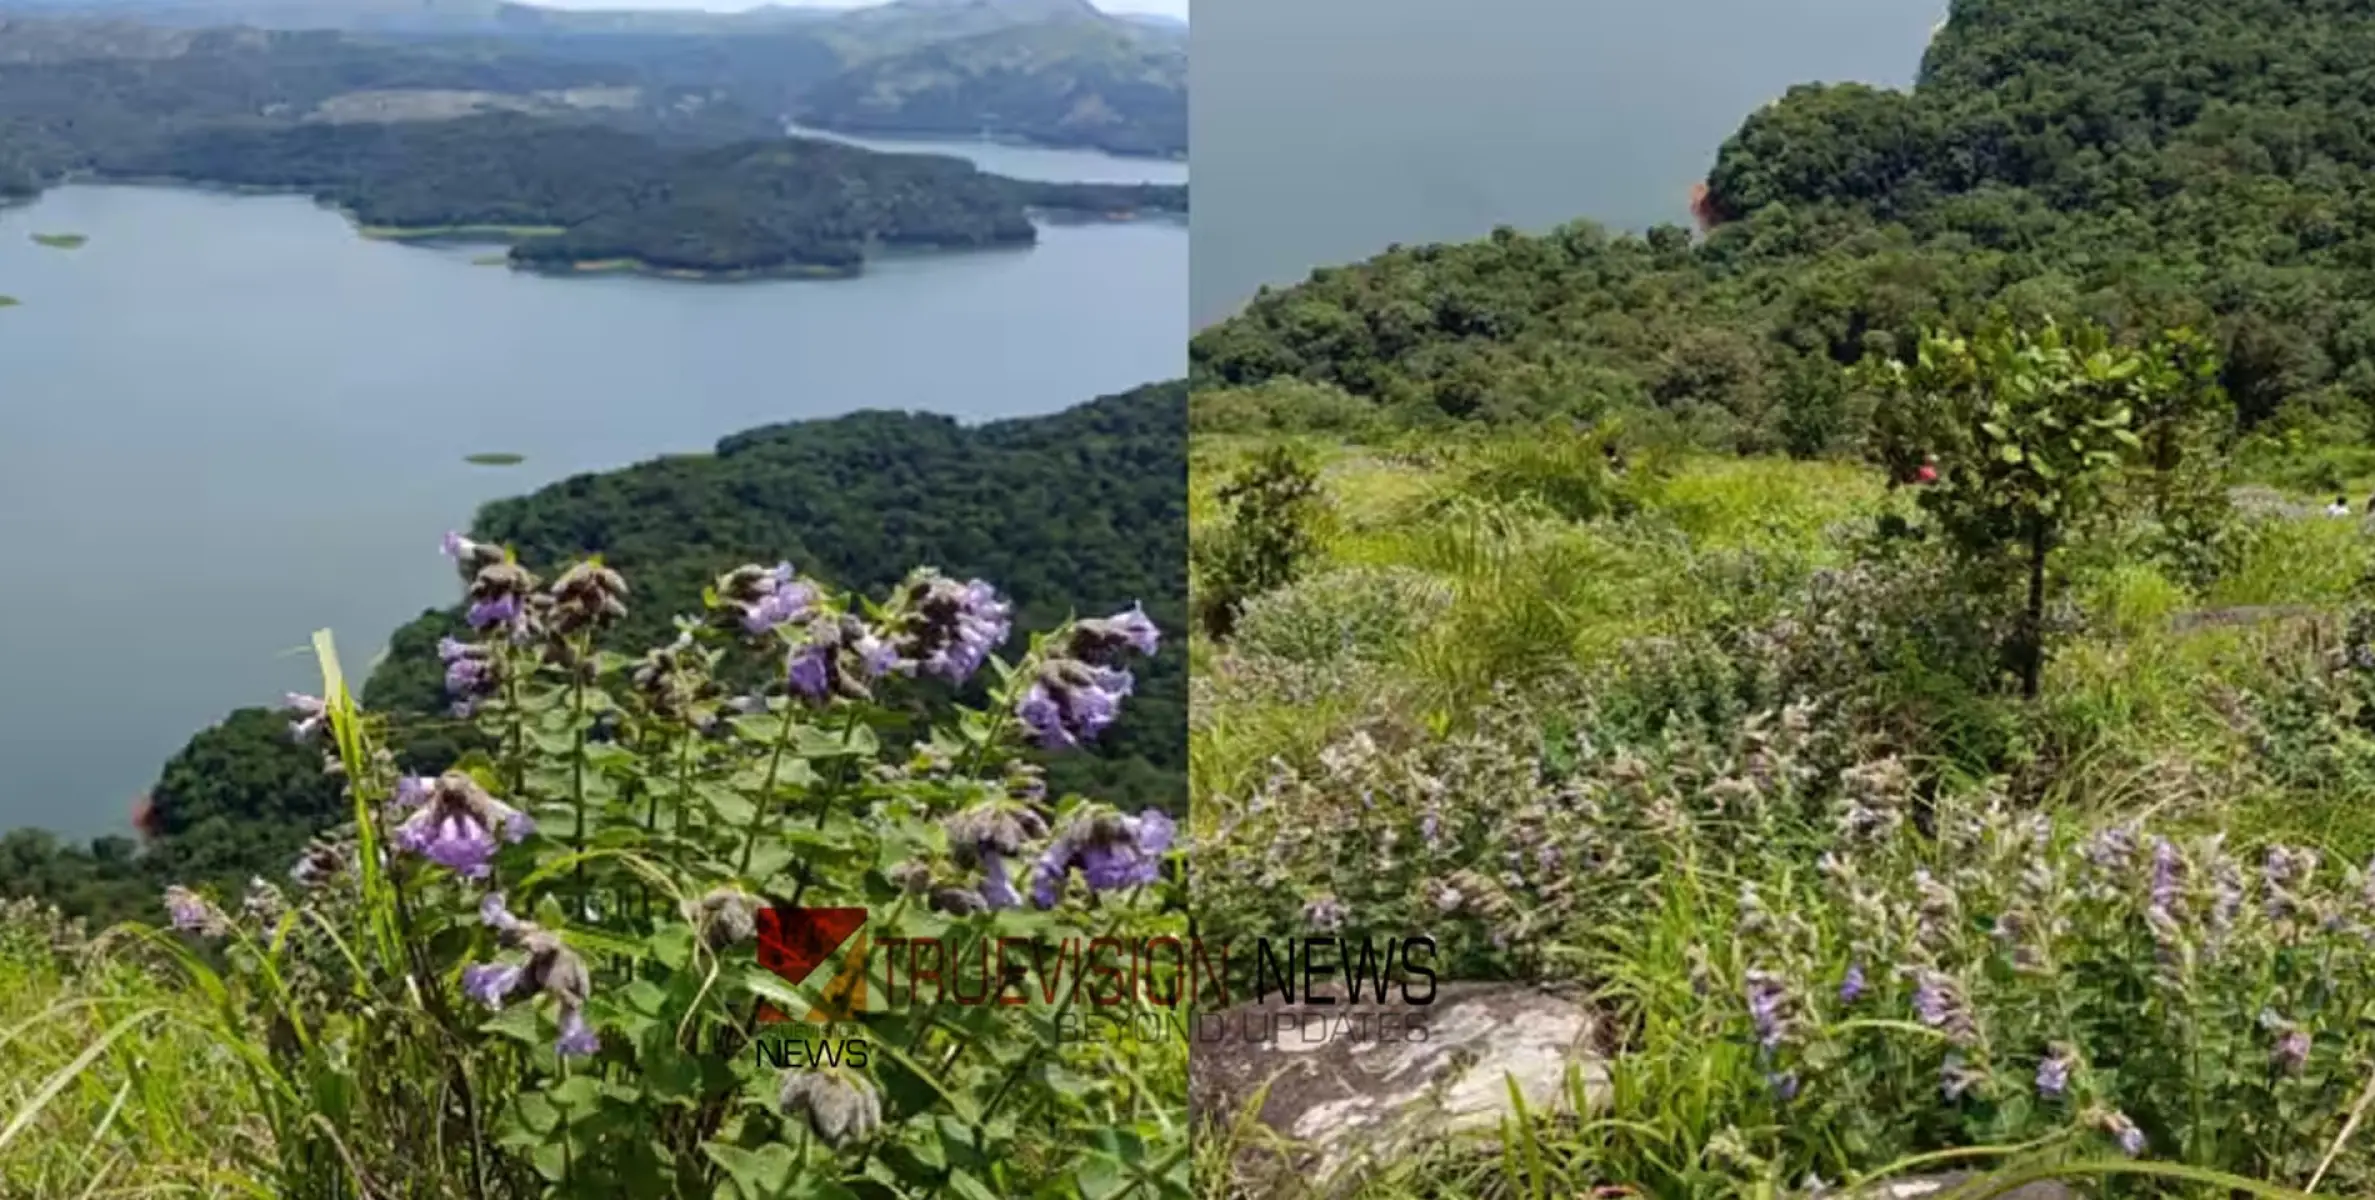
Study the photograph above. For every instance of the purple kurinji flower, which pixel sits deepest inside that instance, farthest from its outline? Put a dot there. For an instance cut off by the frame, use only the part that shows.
(492, 983)
(809, 669)
(876, 657)
(1766, 999)
(2168, 874)
(997, 882)
(982, 625)
(1325, 914)
(466, 667)
(1138, 629)
(1080, 688)
(193, 913)
(781, 599)
(1939, 1004)
(493, 611)
(312, 714)
(552, 968)
(412, 791)
(948, 629)
(2123, 1131)
(497, 916)
(1072, 702)
(2292, 1051)
(577, 1040)
(1111, 851)
(2053, 1076)
(1784, 1085)
(457, 823)
(1853, 985)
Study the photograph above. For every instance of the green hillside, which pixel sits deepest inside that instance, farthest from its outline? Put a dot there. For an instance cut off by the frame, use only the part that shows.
(1888, 653)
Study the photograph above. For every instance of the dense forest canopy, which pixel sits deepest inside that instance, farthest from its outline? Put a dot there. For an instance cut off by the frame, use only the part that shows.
(2143, 163)
(1082, 512)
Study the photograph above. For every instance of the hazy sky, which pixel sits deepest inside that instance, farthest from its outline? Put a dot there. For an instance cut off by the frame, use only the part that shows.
(1175, 8)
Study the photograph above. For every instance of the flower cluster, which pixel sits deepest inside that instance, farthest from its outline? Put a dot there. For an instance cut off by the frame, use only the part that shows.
(685, 826)
(193, 913)
(1080, 686)
(944, 629)
(839, 657)
(992, 835)
(1109, 850)
(548, 966)
(454, 823)
(501, 592)
(763, 599)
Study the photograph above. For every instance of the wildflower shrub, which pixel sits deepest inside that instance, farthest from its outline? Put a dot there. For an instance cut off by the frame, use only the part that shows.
(1759, 780)
(535, 973)
(1818, 963)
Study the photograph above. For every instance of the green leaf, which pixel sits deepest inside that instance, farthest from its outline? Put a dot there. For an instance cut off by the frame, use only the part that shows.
(764, 1172)
(575, 1096)
(551, 1160)
(963, 1184)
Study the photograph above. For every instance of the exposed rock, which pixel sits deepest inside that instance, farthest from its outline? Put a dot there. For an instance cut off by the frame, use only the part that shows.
(1943, 1187)
(1363, 1083)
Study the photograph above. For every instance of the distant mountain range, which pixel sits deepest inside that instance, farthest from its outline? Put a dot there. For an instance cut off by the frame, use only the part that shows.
(947, 18)
(1059, 72)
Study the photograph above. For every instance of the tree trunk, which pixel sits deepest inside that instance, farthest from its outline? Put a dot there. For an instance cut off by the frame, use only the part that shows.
(2032, 663)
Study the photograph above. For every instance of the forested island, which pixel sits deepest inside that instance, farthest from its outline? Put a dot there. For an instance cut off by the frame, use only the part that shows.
(579, 162)
(577, 196)
(1081, 512)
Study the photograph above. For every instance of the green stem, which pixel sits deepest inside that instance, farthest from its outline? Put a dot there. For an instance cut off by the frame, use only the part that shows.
(684, 777)
(758, 808)
(824, 808)
(580, 660)
(1031, 1057)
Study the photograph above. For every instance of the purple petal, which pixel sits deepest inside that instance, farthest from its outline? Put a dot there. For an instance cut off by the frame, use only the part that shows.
(1138, 628)
(997, 884)
(577, 1039)
(491, 983)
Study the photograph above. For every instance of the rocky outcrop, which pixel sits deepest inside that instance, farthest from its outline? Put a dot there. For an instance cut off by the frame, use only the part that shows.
(1343, 1085)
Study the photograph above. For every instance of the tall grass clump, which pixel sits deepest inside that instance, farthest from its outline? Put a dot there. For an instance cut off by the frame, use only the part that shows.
(536, 973)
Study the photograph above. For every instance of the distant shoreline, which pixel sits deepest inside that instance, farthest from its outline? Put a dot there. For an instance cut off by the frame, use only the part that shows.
(513, 235)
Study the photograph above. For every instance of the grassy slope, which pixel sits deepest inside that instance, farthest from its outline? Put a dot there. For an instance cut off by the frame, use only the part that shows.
(2157, 712)
(1532, 592)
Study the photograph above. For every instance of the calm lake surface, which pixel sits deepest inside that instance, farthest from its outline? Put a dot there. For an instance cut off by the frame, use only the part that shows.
(1326, 130)
(229, 421)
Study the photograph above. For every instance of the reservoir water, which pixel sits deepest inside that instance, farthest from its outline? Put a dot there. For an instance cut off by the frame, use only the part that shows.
(228, 421)
(1017, 161)
(1333, 128)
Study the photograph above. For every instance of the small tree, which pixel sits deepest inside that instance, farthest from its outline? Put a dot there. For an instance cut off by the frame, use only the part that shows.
(2015, 436)
(1268, 539)
(2186, 424)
